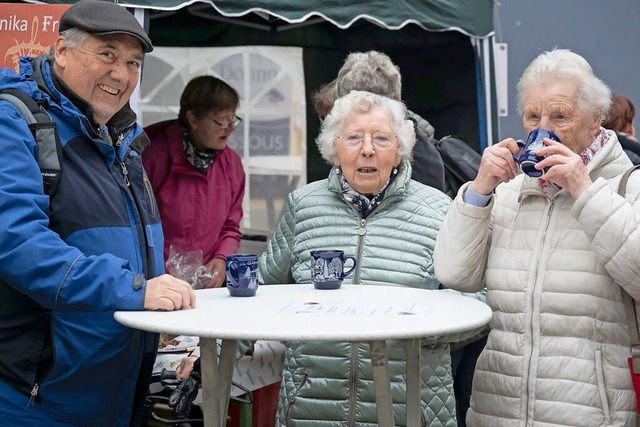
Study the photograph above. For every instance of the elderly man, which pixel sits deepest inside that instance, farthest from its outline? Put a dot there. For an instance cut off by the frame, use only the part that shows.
(70, 259)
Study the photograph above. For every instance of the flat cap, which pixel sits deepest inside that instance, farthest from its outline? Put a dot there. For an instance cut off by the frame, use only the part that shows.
(102, 18)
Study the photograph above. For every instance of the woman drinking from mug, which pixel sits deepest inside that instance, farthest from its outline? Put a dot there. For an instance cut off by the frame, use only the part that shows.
(370, 208)
(556, 254)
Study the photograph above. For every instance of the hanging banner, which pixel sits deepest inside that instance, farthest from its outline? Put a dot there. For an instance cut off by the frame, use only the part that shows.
(27, 30)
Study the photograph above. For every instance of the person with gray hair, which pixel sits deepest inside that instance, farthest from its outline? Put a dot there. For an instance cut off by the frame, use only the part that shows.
(70, 258)
(371, 71)
(371, 208)
(374, 72)
(557, 254)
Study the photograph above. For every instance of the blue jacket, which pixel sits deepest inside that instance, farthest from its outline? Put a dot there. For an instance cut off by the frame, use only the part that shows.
(68, 264)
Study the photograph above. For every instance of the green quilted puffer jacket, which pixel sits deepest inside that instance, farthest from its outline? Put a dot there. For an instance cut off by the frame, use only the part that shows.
(331, 384)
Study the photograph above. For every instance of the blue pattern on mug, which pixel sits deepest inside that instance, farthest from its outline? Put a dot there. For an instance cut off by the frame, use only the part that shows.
(527, 157)
(327, 268)
(242, 275)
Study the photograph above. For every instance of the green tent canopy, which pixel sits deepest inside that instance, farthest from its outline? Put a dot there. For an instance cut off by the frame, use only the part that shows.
(473, 18)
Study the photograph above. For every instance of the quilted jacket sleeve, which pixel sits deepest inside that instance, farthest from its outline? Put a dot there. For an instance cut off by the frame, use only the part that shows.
(612, 225)
(460, 256)
(275, 261)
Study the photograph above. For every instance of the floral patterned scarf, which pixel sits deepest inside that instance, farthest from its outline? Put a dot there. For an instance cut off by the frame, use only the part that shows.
(363, 204)
(199, 159)
(549, 189)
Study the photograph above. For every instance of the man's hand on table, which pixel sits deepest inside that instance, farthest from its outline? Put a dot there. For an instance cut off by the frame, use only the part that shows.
(168, 293)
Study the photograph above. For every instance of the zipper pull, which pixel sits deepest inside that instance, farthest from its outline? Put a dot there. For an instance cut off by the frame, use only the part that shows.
(34, 394)
(363, 229)
(125, 174)
(120, 139)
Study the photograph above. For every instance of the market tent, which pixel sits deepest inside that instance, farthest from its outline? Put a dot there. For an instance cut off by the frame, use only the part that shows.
(471, 17)
(443, 49)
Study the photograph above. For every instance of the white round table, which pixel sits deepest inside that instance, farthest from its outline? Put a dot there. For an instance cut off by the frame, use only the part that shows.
(352, 313)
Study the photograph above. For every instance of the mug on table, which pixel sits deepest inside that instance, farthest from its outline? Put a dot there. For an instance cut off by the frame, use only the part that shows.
(327, 268)
(242, 275)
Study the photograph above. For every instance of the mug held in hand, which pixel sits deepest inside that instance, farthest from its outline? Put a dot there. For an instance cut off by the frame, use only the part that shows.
(527, 157)
(327, 268)
(242, 275)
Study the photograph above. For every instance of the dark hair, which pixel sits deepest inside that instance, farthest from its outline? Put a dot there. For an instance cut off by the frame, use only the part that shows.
(204, 94)
(621, 114)
(324, 98)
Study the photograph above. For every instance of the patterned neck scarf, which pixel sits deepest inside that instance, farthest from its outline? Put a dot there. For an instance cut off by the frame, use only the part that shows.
(363, 204)
(199, 159)
(549, 189)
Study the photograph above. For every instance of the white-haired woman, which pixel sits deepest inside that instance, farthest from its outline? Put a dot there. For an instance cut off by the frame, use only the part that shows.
(368, 207)
(556, 253)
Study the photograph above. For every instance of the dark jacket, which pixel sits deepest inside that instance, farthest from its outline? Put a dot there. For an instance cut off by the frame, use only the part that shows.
(63, 358)
(630, 146)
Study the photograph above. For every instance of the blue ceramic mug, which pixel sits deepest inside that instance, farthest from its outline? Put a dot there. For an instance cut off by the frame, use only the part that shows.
(527, 157)
(242, 275)
(327, 268)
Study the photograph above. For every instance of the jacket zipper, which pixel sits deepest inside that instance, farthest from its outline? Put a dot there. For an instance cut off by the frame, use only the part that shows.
(359, 248)
(147, 186)
(36, 386)
(353, 383)
(125, 172)
(294, 397)
(361, 233)
(147, 261)
(354, 346)
(528, 390)
(34, 394)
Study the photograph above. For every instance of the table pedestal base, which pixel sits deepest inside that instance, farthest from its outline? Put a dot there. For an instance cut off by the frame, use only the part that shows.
(216, 380)
(217, 374)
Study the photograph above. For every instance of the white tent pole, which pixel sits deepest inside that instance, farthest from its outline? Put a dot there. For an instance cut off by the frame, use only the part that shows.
(138, 13)
(486, 62)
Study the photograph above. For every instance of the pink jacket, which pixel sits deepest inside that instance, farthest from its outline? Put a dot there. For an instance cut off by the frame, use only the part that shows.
(198, 211)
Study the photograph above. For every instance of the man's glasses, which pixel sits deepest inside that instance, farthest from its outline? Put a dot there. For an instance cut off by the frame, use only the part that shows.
(224, 125)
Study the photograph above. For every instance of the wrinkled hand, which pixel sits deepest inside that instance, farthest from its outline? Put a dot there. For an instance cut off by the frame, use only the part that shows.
(496, 166)
(168, 293)
(218, 268)
(185, 367)
(566, 168)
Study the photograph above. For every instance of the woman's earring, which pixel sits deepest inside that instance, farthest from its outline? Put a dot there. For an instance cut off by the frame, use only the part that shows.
(395, 171)
(337, 170)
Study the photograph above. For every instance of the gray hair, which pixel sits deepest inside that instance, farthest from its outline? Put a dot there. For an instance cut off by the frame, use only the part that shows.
(74, 37)
(371, 71)
(593, 95)
(357, 102)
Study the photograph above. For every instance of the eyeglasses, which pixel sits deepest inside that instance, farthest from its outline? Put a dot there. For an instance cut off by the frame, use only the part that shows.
(379, 141)
(224, 125)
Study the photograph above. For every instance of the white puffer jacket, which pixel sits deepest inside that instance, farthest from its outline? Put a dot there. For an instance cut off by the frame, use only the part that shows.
(558, 347)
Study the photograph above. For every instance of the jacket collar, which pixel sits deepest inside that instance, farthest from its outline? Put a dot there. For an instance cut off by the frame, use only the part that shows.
(397, 186)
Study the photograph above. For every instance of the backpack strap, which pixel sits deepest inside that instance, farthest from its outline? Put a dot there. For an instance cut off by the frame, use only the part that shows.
(44, 132)
(629, 303)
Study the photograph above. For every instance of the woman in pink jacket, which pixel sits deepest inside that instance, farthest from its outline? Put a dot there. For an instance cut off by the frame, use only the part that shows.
(197, 179)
